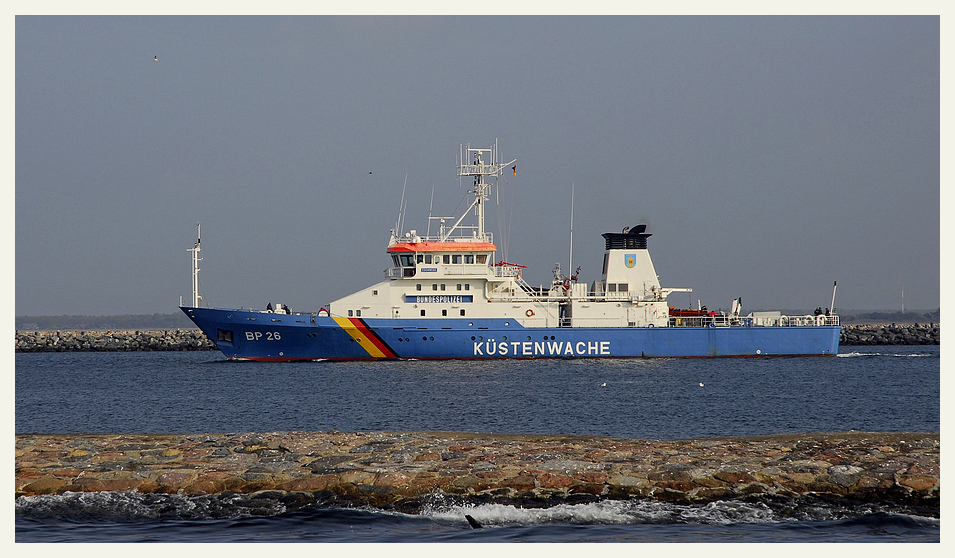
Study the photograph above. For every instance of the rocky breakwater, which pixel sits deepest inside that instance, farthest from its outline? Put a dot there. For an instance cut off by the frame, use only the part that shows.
(890, 334)
(160, 340)
(403, 470)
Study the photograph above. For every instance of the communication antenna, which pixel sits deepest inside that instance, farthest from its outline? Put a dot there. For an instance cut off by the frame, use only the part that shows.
(401, 207)
(572, 187)
(430, 207)
(832, 305)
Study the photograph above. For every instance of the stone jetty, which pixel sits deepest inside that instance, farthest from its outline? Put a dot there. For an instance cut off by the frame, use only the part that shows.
(890, 334)
(195, 340)
(400, 470)
(157, 340)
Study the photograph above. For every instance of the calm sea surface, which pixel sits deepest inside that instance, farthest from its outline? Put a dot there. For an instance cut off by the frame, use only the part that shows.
(864, 388)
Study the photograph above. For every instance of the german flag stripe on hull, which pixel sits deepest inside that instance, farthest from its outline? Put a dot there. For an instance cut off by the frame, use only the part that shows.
(368, 339)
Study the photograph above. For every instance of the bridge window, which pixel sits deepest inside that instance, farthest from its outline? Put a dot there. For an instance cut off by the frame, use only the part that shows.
(469, 258)
(456, 258)
(420, 258)
(427, 258)
(447, 259)
(482, 258)
(407, 260)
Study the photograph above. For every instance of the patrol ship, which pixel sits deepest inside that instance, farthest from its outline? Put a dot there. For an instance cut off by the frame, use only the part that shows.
(447, 296)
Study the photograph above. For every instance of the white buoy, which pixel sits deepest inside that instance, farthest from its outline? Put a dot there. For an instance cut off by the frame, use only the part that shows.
(701, 384)
(603, 384)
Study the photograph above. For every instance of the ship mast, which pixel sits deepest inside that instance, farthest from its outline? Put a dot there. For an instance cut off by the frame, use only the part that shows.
(478, 164)
(195, 266)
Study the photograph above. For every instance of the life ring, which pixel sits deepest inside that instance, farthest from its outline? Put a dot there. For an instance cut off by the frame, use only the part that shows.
(529, 313)
(566, 285)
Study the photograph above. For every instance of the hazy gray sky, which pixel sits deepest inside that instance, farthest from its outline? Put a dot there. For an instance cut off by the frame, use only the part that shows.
(769, 156)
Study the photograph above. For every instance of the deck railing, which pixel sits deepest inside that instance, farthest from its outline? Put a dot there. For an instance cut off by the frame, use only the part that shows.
(749, 321)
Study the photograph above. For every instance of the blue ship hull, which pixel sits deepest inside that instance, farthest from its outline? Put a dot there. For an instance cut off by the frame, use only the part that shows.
(243, 334)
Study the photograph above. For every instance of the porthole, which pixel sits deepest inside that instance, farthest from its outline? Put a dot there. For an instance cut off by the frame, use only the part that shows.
(472, 338)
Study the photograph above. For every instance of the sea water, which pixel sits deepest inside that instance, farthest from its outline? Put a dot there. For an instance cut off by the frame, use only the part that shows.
(884, 388)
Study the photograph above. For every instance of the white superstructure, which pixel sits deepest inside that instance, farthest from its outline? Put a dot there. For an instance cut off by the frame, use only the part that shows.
(455, 274)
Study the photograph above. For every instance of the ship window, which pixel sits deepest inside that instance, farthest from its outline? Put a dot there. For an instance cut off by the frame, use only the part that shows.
(482, 258)
(417, 287)
(427, 259)
(462, 312)
(422, 311)
(395, 259)
(606, 261)
(434, 286)
(456, 258)
(350, 313)
(469, 258)
(407, 260)
(622, 287)
(442, 286)
(447, 258)
(374, 293)
(459, 286)
(444, 312)
(420, 258)
(467, 286)
(612, 288)
(358, 313)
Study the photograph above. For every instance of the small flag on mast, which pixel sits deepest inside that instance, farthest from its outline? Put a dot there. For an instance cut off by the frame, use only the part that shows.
(514, 168)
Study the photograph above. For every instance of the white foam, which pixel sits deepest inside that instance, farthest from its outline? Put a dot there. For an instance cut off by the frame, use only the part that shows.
(609, 512)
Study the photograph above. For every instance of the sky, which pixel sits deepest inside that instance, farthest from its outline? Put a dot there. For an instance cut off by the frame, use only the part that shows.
(769, 156)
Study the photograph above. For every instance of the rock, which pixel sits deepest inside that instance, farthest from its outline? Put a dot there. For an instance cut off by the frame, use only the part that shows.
(901, 468)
